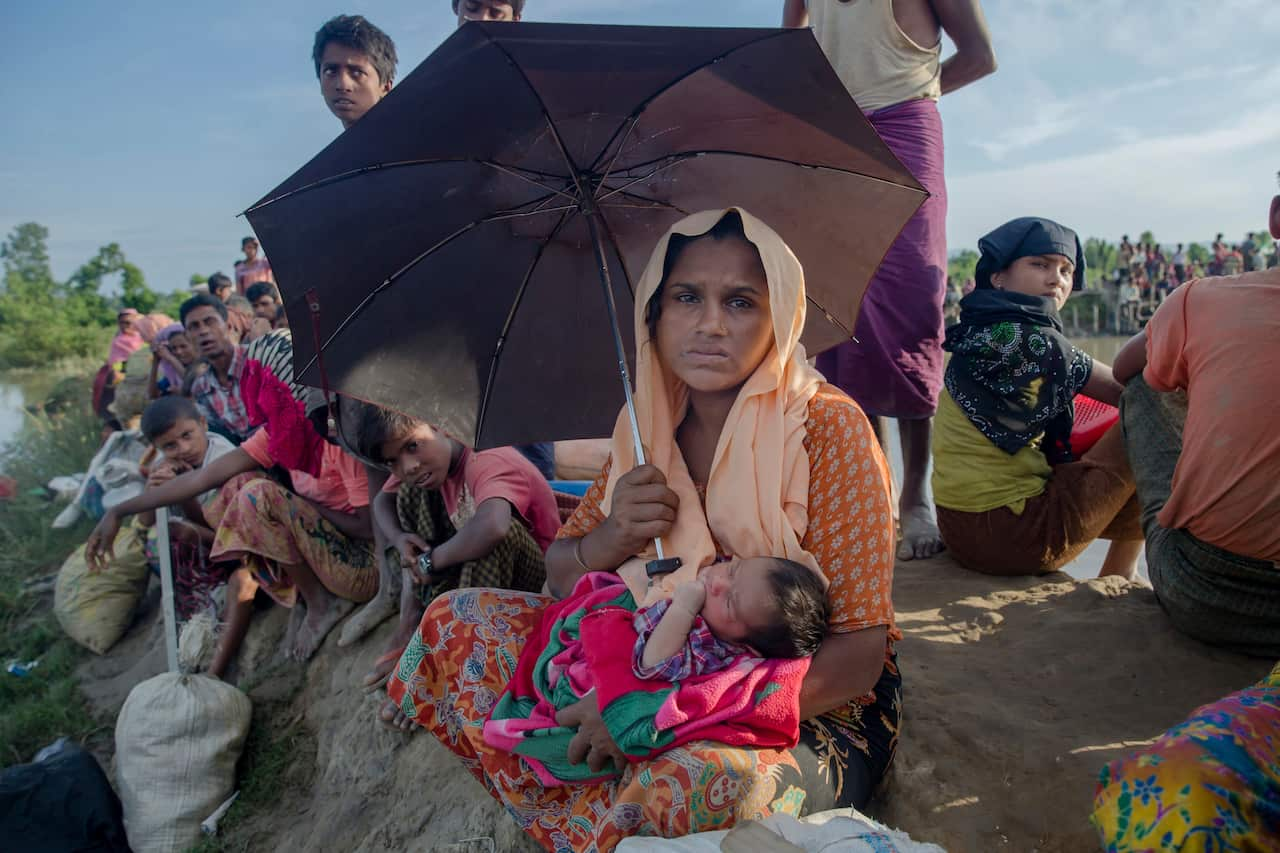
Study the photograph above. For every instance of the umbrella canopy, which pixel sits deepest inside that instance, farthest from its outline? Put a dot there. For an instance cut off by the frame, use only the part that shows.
(441, 250)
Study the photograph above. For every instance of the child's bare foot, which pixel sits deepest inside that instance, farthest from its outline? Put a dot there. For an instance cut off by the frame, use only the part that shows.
(319, 622)
(376, 678)
(920, 536)
(393, 718)
(373, 614)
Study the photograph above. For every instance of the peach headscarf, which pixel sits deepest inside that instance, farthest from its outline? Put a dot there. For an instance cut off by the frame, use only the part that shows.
(150, 325)
(758, 493)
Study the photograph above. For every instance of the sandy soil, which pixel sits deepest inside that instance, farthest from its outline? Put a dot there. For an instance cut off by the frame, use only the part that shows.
(1019, 691)
(1016, 694)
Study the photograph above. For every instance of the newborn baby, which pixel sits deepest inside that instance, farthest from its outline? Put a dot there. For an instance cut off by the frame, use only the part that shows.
(772, 607)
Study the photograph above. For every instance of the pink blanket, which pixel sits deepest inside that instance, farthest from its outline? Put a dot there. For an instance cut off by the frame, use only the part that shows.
(586, 642)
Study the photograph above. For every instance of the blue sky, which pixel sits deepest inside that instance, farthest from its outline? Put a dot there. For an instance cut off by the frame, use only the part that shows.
(153, 124)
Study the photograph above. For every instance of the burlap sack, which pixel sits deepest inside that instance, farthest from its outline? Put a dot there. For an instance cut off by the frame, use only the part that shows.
(95, 609)
(178, 738)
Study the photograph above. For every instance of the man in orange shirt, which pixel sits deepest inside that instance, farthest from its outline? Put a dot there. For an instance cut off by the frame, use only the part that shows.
(1206, 459)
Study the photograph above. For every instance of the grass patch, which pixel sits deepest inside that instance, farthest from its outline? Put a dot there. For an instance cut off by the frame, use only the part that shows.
(276, 758)
(47, 703)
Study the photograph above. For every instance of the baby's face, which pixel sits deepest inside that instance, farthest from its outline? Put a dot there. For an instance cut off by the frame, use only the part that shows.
(739, 600)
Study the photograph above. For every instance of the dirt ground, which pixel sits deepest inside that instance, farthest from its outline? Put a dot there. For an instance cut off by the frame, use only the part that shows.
(1016, 694)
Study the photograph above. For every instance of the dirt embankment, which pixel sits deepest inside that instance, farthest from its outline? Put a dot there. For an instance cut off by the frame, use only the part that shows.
(1016, 694)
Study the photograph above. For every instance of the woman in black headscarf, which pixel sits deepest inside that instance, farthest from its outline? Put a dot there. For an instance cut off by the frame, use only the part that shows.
(1012, 497)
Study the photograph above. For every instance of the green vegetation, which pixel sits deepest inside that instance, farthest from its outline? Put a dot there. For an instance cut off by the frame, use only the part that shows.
(276, 758)
(43, 321)
(961, 265)
(46, 704)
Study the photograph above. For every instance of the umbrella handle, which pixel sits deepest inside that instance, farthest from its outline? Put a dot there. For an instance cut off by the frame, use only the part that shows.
(663, 565)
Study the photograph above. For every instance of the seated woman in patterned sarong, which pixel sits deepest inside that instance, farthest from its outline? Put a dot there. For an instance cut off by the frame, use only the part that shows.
(751, 453)
(313, 541)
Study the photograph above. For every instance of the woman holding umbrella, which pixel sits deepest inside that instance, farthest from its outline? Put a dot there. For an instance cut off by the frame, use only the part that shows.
(750, 453)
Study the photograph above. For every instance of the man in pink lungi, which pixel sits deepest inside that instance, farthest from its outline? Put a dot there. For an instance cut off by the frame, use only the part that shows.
(887, 53)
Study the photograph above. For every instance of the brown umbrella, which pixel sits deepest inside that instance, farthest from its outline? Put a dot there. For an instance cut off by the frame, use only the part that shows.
(446, 253)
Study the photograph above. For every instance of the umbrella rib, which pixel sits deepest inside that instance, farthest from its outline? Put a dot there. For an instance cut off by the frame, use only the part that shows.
(515, 172)
(644, 105)
(391, 279)
(674, 160)
(688, 155)
(511, 316)
(651, 203)
(542, 105)
(829, 316)
(631, 125)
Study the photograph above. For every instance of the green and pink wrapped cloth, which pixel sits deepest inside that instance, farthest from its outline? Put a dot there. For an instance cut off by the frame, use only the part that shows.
(586, 642)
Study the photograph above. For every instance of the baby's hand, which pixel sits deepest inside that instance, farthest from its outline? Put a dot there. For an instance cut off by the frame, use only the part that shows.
(691, 596)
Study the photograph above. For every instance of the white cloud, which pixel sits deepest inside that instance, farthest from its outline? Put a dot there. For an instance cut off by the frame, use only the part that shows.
(1182, 186)
(1051, 118)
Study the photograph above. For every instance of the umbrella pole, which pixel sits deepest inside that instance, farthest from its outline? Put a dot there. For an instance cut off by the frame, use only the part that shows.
(166, 587)
(663, 565)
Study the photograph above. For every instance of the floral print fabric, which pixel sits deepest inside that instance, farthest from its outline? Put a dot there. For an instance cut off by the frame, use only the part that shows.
(465, 651)
(1211, 783)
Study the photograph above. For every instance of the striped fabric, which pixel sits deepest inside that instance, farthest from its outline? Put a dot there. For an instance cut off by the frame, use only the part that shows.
(274, 351)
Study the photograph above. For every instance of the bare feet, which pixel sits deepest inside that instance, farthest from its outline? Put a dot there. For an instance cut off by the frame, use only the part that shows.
(920, 537)
(386, 663)
(373, 614)
(393, 718)
(319, 621)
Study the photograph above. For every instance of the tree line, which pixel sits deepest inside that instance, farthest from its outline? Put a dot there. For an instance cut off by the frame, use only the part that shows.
(43, 320)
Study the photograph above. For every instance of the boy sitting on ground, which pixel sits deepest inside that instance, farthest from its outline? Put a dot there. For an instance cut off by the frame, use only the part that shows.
(179, 434)
(313, 542)
(458, 517)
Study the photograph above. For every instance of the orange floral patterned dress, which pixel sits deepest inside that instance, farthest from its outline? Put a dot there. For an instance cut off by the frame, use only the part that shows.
(467, 645)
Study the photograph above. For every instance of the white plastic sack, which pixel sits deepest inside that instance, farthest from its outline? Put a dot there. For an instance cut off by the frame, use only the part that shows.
(121, 480)
(178, 738)
(846, 830)
(127, 445)
(66, 487)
